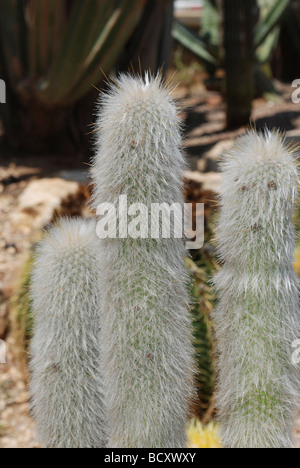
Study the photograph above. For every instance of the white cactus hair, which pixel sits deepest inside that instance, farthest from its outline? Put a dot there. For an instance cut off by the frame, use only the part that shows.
(257, 317)
(66, 384)
(146, 340)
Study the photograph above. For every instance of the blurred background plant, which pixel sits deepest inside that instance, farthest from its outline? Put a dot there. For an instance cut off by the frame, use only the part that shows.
(52, 52)
(21, 315)
(241, 38)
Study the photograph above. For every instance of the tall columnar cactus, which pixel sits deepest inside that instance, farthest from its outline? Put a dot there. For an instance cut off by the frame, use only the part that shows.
(257, 317)
(146, 340)
(239, 22)
(66, 383)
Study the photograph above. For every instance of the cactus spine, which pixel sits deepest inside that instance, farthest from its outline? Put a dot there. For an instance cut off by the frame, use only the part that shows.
(146, 339)
(257, 317)
(66, 383)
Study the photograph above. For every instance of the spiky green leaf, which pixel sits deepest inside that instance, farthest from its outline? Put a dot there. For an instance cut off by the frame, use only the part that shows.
(191, 41)
(272, 19)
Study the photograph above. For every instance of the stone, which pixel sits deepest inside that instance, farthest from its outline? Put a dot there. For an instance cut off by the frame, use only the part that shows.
(41, 198)
(213, 156)
(209, 180)
(82, 177)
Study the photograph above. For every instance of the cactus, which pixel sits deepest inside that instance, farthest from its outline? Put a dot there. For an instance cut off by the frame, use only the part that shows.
(146, 339)
(257, 317)
(51, 52)
(203, 303)
(66, 383)
(239, 20)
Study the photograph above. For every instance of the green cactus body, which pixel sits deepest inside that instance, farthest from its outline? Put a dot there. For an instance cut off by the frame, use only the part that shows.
(203, 302)
(257, 317)
(146, 339)
(66, 383)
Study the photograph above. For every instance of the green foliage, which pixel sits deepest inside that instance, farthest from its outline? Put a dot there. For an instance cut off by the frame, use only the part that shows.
(22, 318)
(194, 43)
(56, 55)
(202, 301)
(206, 44)
(208, 47)
(270, 21)
(201, 267)
(211, 25)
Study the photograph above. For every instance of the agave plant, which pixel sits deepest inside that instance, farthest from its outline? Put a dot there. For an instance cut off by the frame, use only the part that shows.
(51, 52)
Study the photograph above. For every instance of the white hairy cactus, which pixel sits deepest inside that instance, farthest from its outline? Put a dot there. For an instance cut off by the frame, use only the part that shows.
(257, 318)
(146, 341)
(66, 383)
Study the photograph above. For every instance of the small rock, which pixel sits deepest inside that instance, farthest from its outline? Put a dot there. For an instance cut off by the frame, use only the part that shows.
(213, 156)
(11, 248)
(209, 180)
(48, 192)
(39, 201)
(82, 177)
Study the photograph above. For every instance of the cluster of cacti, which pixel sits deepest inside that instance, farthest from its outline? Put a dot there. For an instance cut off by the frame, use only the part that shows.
(257, 317)
(112, 356)
(135, 290)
